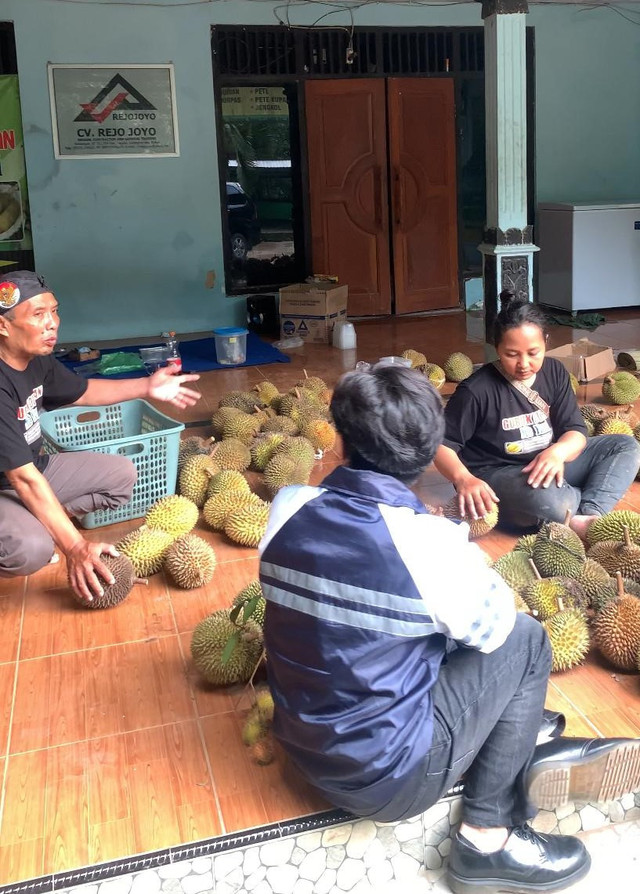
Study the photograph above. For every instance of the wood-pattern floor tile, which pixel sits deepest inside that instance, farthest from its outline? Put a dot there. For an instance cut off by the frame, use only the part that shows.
(108, 778)
(577, 723)
(244, 810)
(23, 860)
(11, 609)
(66, 844)
(31, 712)
(7, 679)
(200, 820)
(229, 578)
(155, 816)
(111, 841)
(284, 792)
(24, 805)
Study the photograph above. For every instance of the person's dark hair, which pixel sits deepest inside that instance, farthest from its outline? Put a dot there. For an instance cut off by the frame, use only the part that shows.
(514, 313)
(390, 418)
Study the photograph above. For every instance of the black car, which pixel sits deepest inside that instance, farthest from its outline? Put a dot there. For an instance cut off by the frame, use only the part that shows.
(242, 217)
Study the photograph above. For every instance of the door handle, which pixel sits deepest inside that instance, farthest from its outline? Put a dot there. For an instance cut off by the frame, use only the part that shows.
(398, 198)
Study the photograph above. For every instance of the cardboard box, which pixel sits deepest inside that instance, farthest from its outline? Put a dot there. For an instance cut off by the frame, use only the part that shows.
(586, 360)
(310, 310)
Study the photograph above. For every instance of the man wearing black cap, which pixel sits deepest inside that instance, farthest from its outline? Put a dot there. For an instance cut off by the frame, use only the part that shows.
(38, 493)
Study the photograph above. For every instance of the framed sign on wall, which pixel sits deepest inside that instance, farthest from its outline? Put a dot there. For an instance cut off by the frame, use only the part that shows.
(113, 111)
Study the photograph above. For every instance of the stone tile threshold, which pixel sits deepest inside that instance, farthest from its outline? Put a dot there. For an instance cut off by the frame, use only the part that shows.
(333, 852)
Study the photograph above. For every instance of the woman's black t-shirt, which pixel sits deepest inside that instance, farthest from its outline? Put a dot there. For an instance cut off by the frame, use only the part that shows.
(489, 423)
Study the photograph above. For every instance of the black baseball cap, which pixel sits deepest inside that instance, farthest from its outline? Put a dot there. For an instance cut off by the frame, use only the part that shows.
(19, 286)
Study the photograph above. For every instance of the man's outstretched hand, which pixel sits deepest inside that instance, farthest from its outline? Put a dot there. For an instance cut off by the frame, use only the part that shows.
(171, 389)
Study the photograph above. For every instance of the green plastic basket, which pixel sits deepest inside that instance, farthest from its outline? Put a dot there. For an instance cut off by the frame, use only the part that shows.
(134, 429)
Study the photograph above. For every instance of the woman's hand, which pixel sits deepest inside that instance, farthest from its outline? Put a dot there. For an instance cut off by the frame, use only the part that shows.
(546, 467)
(167, 387)
(475, 497)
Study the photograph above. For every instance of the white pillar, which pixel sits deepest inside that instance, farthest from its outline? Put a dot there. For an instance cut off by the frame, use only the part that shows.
(507, 248)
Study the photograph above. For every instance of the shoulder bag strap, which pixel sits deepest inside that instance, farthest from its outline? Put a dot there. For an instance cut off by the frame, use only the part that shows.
(532, 396)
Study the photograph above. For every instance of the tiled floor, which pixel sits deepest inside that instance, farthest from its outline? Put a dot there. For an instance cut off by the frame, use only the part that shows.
(111, 745)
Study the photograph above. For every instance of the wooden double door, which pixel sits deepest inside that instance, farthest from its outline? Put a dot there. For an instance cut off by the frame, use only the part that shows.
(382, 177)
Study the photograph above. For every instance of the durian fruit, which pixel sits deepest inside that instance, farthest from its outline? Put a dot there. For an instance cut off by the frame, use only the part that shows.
(247, 524)
(610, 526)
(300, 449)
(636, 432)
(592, 578)
(243, 427)
(174, 514)
(262, 751)
(605, 594)
(146, 548)
(190, 562)
(259, 718)
(228, 479)
(568, 634)
(313, 383)
(621, 388)
(302, 406)
(558, 551)
(281, 471)
(574, 383)
(593, 413)
(525, 544)
(266, 392)
(515, 569)
(613, 426)
(281, 424)
(247, 401)
(190, 446)
(252, 597)
(264, 447)
(616, 629)
(544, 597)
(628, 415)
(217, 508)
(232, 454)
(417, 358)
(194, 478)
(632, 587)
(619, 556)
(457, 367)
(591, 429)
(321, 434)
(435, 374)
(113, 594)
(220, 418)
(208, 643)
(478, 527)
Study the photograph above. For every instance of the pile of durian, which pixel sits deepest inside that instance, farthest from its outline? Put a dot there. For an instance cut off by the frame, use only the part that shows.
(582, 596)
(456, 368)
(277, 435)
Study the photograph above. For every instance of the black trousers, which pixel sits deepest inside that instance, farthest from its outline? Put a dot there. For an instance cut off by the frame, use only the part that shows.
(487, 714)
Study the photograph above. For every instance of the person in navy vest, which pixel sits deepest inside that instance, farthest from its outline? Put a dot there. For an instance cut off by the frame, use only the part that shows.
(397, 661)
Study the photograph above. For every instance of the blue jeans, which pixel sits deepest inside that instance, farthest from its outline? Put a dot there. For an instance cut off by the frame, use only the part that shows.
(487, 714)
(593, 484)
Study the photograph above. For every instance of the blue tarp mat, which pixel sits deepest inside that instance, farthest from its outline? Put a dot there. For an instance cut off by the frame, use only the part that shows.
(198, 355)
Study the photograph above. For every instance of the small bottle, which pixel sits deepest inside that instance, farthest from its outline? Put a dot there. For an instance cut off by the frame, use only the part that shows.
(174, 360)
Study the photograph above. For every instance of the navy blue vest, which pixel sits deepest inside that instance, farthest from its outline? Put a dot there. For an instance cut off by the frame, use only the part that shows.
(352, 651)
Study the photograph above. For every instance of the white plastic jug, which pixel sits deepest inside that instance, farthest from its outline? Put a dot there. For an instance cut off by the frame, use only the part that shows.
(344, 335)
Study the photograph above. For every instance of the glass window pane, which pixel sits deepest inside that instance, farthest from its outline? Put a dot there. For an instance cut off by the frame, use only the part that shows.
(259, 210)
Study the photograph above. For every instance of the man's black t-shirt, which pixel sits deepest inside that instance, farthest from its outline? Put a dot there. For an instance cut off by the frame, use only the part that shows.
(44, 385)
(489, 423)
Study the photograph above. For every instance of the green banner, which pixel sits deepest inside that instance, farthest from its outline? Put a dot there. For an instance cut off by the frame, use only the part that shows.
(15, 226)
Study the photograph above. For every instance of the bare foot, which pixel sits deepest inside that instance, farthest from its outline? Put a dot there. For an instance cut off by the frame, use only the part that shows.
(580, 524)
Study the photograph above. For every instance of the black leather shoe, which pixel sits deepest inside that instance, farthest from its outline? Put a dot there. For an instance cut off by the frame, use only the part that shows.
(529, 861)
(552, 726)
(564, 770)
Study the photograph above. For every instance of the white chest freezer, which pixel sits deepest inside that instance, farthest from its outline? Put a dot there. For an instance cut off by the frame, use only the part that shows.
(589, 255)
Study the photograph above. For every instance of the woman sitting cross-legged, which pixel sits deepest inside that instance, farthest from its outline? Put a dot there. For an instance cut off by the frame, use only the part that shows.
(515, 435)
